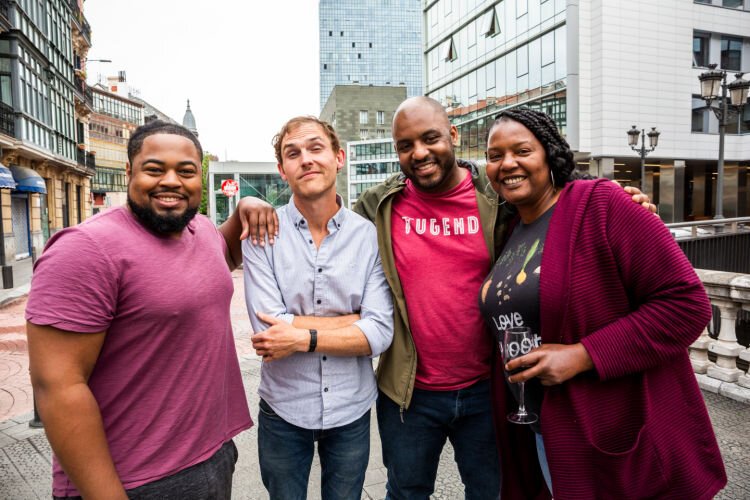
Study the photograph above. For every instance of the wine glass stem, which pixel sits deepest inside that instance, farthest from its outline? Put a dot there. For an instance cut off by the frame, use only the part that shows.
(522, 402)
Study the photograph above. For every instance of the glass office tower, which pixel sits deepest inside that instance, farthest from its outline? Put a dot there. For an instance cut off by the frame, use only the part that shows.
(484, 56)
(370, 42)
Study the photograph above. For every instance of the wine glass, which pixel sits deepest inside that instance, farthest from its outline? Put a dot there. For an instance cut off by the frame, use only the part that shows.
(516, 342)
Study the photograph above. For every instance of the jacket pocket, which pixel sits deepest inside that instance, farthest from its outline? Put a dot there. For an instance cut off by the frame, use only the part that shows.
(635, 473)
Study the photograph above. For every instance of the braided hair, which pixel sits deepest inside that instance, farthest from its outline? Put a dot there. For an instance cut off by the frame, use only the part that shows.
(556, 149)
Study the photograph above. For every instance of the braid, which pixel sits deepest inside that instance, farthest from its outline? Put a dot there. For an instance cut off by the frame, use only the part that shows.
(558, 153)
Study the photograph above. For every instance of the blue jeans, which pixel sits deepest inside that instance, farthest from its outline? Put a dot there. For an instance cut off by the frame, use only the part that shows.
(412, 447)
(286, 452)
(543, 464)
(208, 480)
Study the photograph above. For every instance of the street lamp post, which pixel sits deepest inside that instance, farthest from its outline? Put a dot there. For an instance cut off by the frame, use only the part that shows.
(712, 81)
(653, 141)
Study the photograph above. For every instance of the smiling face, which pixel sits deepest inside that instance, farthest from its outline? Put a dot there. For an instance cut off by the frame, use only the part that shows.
(518, 170)
(308, 162)
(424, 138)
(164, 183)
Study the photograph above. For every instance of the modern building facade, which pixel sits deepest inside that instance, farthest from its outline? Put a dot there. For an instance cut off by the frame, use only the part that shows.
(360, 113)
(44, 105)
(598, 68)
(368, 164)
(110, 125)
(370, 42)
(259, 179)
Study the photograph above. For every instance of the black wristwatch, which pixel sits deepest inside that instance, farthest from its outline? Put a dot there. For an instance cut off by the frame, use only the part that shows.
(313, 340)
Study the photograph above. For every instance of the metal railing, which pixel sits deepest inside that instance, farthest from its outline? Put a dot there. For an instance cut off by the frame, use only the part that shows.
(721, 355)
(7, 120)
(90, 160)
(720, 245)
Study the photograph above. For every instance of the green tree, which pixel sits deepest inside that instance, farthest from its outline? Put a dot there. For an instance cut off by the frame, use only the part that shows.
(207, 157)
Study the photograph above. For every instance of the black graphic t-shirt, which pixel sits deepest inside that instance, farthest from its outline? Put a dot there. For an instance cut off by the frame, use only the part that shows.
(510, 295)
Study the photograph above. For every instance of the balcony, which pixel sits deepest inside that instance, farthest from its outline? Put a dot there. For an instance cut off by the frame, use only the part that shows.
(83, 94)
(7, 120)
(80, 25)
(87, 161)
(5, 15)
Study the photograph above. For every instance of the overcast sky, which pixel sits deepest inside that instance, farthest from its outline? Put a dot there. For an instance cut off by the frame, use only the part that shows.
(245, 66)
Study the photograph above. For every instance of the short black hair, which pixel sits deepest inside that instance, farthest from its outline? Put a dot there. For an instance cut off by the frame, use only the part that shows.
(556, 148)
(159, 127)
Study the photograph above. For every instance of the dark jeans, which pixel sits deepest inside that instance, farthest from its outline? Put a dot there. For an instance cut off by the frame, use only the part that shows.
(411, 449)
(209, 480)
(286, 452)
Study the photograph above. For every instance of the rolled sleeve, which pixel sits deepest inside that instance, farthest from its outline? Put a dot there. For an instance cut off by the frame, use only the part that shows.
(262, 292)
(376, 311)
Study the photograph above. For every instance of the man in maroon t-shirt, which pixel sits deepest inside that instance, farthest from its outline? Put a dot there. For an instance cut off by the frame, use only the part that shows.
(442, 244)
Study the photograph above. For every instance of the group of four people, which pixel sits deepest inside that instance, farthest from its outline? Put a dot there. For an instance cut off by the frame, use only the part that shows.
(146, 402)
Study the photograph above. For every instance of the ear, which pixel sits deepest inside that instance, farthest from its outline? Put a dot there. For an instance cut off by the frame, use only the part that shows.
(128, 169)
(454, 135)
(280, 167)
(340, 160)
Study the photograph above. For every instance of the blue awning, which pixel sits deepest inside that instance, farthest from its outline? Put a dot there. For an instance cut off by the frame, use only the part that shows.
(6, 178)
(28, 180)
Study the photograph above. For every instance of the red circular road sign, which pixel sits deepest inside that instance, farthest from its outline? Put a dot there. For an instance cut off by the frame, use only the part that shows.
(230, 187)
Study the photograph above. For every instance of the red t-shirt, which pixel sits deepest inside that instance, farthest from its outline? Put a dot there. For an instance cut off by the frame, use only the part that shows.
(442, 260)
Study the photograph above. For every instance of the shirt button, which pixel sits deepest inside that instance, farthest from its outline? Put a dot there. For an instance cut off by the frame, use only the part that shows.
(320, 269)
(325, 390)
(324, 358)
(311, 241)
(318, 301)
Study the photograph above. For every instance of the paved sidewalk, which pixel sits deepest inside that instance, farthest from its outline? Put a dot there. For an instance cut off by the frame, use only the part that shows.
(25, 470)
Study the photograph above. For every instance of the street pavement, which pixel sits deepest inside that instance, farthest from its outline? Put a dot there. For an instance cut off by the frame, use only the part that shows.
(25, 455)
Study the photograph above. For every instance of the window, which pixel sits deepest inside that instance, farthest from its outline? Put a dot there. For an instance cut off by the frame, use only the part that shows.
(359, 56)
(381, 117)
(354, 45)
(700, 49)
(731, 53)
(381, 133)
(363, 117)
(370, 44)
(522, 7)
(330, 33)
(363, 133)
(449, 50)
(734, 4)
(490, 24)
(325, 66)
(700, 117)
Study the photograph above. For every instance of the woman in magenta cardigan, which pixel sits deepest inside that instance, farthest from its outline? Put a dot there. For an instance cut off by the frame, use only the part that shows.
(617, 304)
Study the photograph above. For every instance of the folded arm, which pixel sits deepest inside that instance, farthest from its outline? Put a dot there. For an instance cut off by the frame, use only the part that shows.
(61, 363)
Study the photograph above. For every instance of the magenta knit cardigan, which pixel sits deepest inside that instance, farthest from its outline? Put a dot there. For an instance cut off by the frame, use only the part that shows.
(636, 427)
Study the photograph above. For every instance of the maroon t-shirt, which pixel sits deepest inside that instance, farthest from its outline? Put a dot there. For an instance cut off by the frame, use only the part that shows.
(442, 260)
(167, 380)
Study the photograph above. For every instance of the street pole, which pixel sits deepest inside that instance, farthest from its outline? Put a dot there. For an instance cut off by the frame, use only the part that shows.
(643, 160)
(720, 165)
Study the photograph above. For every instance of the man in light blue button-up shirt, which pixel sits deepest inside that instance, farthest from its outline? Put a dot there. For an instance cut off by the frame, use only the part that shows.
(320, 308)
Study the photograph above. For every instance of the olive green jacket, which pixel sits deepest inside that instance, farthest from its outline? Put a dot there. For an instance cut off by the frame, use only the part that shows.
(397, 367)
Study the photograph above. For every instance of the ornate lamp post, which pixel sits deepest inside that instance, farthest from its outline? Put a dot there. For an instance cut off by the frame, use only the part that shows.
(712, 81)
(653, 141)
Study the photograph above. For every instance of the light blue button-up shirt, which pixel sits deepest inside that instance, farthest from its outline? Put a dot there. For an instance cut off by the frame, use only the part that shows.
(293, 277)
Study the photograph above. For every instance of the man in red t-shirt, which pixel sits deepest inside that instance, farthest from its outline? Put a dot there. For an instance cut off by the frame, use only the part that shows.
(437, 230)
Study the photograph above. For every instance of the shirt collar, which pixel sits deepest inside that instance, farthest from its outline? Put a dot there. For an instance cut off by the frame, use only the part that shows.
(333, 225)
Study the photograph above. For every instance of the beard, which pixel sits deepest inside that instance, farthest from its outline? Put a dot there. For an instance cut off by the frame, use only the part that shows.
(162, 224)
